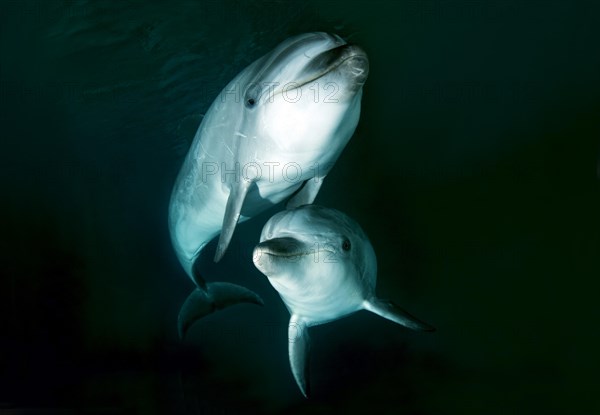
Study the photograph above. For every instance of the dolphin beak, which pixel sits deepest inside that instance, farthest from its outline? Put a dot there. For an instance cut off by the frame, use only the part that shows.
(356, 64)
(283, 247)
(274, 255)
(347, 57)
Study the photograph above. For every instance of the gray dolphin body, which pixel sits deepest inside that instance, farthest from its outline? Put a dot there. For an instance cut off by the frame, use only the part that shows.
(324, 268)
(276, 129)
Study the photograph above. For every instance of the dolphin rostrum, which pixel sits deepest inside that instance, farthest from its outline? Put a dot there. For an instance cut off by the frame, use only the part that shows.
(273, 132)
(323, 266)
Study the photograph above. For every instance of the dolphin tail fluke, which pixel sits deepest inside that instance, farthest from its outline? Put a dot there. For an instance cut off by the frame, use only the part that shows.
(392, 312)
(299, 350)
(218, 295)
(232, 215)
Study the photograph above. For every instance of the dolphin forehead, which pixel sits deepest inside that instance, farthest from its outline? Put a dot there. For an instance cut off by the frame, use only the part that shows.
(297, 50)
(312, 221)
(308, 43)
(287, 62)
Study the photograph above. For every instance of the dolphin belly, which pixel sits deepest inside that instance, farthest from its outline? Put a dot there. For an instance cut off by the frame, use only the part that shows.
(194, 225)
(316, 304)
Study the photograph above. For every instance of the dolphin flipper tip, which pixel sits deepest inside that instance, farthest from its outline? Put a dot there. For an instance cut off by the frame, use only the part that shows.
(221, 248)
(225, 238)
(217, 296)
(299, 350)
(231, 217)
(392, 312)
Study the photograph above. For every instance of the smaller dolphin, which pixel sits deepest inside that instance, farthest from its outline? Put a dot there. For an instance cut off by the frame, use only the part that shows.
(324, 268)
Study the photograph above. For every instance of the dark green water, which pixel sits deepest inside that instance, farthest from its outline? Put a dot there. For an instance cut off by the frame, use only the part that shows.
(473, 170)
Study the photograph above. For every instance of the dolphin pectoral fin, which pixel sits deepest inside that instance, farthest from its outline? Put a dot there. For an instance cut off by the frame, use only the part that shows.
(218, 295)
(299, 350)
(232, 215)
(307, 193)
(392, 312)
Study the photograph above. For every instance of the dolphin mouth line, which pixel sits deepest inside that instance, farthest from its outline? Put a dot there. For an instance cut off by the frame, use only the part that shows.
(328, 69)
(286, 255)
(332, 67)
(265, 249)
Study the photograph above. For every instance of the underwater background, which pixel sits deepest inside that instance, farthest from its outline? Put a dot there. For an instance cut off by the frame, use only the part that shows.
(474, 171)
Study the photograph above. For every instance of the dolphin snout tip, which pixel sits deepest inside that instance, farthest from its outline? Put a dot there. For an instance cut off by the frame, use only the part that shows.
(356, 51)
(257, 254)
(261, 256)
(271, 255)
(283, 246)
(356, 61)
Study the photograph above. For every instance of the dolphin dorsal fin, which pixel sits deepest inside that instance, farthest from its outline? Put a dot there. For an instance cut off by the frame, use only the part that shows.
(237, 194)
(392, 312)
(299, 351)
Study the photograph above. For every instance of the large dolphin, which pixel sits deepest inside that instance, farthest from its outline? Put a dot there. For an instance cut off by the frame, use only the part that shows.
(275, 129)
(323, 266)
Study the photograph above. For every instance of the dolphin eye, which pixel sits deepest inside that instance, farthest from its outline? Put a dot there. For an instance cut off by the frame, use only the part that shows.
(252, 95)
(346, 245)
